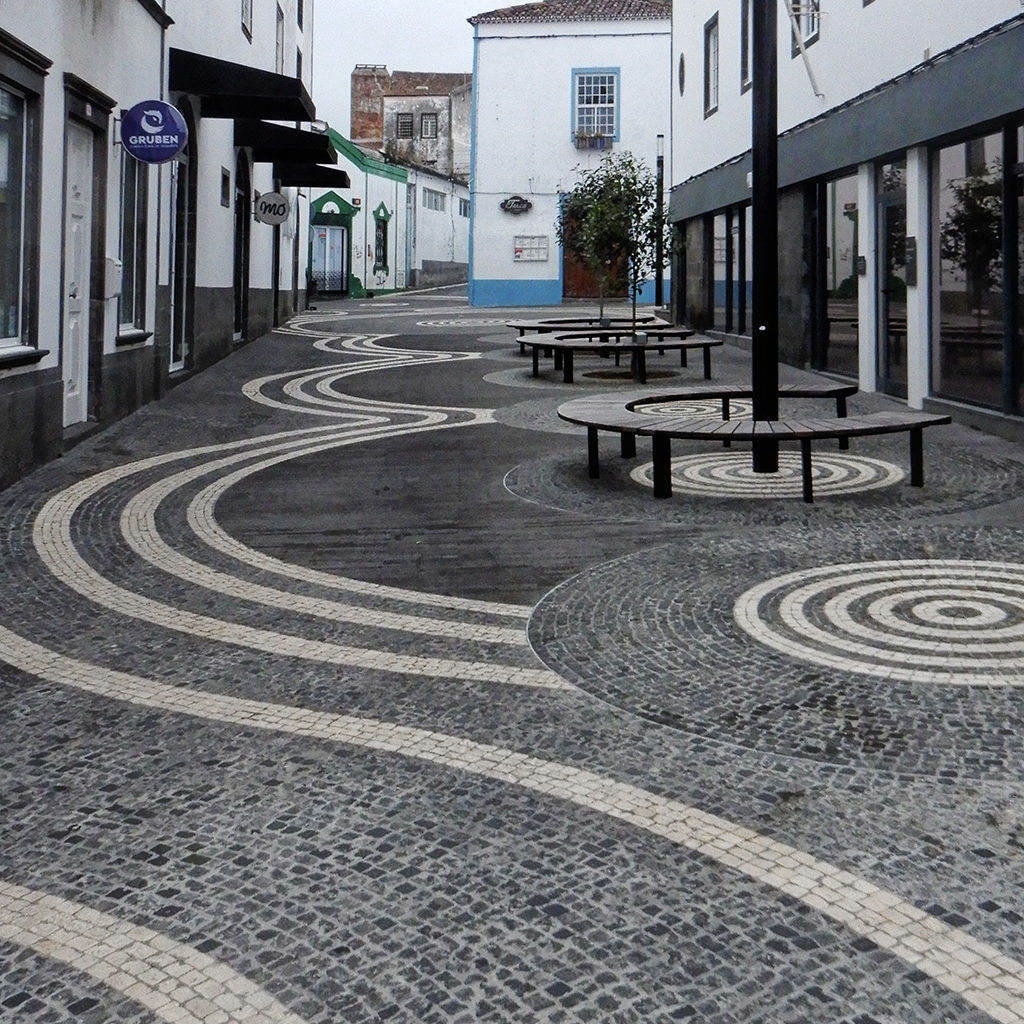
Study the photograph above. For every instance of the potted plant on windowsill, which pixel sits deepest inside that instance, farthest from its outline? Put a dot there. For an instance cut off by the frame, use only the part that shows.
(592, 140)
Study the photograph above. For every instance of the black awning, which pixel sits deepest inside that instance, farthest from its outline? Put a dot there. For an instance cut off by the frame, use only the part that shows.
(275, 142)
(297, 175)
(236, 90)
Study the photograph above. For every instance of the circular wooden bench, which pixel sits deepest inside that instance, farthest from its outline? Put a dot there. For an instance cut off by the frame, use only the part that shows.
(626, 416)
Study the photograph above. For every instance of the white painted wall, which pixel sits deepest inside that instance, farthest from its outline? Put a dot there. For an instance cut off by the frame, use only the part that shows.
(79, 39)
(439, 235)
(523, 138)
(858, 47)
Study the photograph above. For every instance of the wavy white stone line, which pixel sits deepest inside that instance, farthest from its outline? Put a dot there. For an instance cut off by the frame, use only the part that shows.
(968, 967)
(176, 983)
(981, 653)
(52, 537)
(201, 519)
(139, 528)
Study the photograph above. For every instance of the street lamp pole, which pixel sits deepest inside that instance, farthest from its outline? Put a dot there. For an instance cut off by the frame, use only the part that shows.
(764, 370)
(659, 246)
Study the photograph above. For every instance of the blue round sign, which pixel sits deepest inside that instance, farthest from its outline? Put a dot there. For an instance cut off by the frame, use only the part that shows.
(153, 131)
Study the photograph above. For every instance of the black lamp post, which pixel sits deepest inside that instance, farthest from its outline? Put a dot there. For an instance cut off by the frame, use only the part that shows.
(659, 245)
(764, 368)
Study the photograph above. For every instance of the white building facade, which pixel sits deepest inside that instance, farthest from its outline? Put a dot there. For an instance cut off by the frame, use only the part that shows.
(119, 277)
(557, 86)
(900, 207)
(395, 227)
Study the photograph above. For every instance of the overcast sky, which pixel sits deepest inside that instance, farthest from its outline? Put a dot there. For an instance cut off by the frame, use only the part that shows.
(406, 35)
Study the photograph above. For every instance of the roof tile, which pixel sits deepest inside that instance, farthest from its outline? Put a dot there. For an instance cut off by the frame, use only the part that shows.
(576, 10)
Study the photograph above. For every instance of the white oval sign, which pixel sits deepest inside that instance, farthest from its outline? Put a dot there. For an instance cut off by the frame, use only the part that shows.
(272, 208)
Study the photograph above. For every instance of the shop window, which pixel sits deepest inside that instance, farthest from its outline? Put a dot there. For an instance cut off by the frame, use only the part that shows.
(967, 360)
(595, 103)
(428, 126)
(838, 330)
(279, 42)
(711, 66)
(247, 18)
(13, 207)
(299, 14)
(134, 203)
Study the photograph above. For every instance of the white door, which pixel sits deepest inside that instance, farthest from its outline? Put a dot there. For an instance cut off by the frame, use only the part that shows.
(77, 266)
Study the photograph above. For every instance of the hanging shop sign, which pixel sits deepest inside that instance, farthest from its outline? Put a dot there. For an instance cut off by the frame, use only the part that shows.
(516, 204)
(153, 132)
(271, 208)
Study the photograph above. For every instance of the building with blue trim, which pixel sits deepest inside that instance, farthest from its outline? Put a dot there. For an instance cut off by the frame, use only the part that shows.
(557, 86)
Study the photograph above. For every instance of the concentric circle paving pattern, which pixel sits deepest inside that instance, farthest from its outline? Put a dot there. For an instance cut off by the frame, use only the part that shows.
(910, 665)
(946, 622)
(730, 474)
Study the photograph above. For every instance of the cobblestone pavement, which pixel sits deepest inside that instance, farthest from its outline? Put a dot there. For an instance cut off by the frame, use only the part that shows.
(332, 690)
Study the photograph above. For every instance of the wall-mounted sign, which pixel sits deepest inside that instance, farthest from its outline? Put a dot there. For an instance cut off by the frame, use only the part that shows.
(153, 132)
(271, 208)
(516, 204)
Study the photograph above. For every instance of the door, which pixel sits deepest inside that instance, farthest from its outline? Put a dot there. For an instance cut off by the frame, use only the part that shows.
(180, 229)
(77, 270)
(243, 220)
(892, 280)
(337, 257)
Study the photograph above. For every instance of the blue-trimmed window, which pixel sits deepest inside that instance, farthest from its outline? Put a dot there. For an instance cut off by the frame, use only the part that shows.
(595, 102)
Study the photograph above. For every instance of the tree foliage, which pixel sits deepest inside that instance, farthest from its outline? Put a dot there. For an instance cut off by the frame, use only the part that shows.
(611, 222)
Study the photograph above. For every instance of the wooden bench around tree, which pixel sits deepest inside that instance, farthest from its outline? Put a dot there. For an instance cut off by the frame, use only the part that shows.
(606, 341)
(553, 325)
(611, 413)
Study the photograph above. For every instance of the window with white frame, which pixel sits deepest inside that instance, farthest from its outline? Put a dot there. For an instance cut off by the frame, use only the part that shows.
(132, 251)
(403, 126)
(279, 42)
(746, 44)
(433, 200)
(596, 102)
(428, 126)
(808, 18)
(13, 203)
(247, 17)
(711, 66)
(463, 207)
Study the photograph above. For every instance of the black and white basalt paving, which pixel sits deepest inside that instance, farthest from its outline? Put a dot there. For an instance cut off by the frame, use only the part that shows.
(324, 699)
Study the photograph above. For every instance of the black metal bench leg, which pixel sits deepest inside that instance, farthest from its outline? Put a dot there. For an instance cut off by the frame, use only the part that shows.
(725, 416)
(558, 358)
(707, 362)
(916, 457)
(593, 468)
(662, 451)
(682, 357)
(567, 366)
(536, 361)
(628, 445)
(805, 464)
(844, 442)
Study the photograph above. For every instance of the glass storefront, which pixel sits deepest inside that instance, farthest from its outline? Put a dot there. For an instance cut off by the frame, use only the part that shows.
(838, 353)
(968, 337)
(12, 213)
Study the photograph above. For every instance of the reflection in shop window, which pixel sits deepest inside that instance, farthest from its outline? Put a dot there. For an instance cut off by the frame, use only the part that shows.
(842, 245)
(968, 357)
